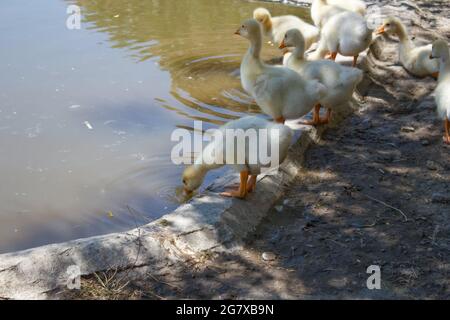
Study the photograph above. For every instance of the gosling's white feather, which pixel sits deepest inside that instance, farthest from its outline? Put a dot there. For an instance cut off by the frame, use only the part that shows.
(278, 91)
(442, 93)
(219, 149)
(415, 59)
(442, 97)
(356, 6)
(339, 80)
(321, 12)
(345, 33)
(274, 28)
(226, 150)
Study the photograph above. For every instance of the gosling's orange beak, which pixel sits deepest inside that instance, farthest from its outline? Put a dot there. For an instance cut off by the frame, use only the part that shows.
(282, 45)
(381, 30)
(238, 32)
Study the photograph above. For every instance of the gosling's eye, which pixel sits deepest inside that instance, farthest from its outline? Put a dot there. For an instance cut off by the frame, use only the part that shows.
(184, 181)
(388, 24)
(243, 27)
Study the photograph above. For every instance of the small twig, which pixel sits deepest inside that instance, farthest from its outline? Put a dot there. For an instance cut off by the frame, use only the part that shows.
(435, 232)
(338, 243)
(365, 225)
(163, 282)
(119, 290)
(109, 279)
(388, 206)
(156, 295)
(100, 280)
(217, 270)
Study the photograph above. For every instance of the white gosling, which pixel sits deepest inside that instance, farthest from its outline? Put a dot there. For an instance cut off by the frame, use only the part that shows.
(339, 80)
(441, 52)
(321, 12)
(356, 6)
(215, 154)
(274, 28)
(414, 59)
(345, 33)
(280, 92)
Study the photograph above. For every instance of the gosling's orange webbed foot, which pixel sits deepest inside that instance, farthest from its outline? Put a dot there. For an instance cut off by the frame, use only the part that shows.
(310, 122)
(355, 61)
(251, 185)
(234, 194)
(327, 118)
(435, 75)
(316, 117)
(315, 122)
(446, 137)
(332, 56)
(281, 120)
(241, 193)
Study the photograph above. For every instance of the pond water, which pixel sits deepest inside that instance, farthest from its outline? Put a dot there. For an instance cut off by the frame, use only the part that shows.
(86, 115)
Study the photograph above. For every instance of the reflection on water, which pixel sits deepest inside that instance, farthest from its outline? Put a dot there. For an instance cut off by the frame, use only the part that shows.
(193, 40)
(86, 116)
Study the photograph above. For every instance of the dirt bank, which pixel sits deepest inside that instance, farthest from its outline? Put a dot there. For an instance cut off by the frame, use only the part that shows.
(374, 191)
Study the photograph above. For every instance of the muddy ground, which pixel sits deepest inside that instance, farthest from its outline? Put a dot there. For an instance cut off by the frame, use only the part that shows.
(331, 225)
(374, 191)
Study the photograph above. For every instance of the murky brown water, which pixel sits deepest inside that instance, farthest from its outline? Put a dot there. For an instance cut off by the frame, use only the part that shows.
(86, 115)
